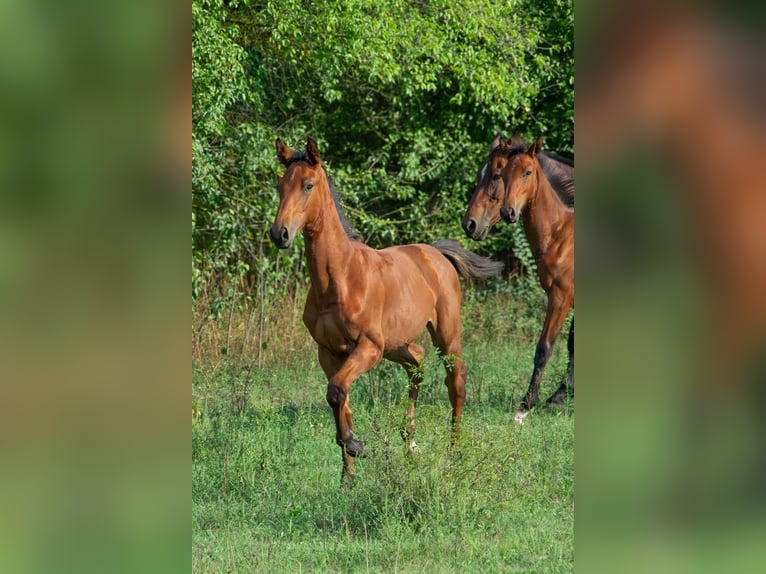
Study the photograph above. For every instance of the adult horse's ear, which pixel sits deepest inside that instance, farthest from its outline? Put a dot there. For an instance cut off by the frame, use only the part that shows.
(534, 149)
(498, 141)
(283, 152)
(516, 140)
(312, 152)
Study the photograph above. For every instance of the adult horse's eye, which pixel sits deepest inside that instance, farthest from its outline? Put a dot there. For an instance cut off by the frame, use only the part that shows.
(309, 186)
(496, 176)
(528, 173)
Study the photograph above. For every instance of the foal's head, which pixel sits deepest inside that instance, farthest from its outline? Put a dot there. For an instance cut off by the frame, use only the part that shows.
(300, 192)
(521, 175)
(484, 208)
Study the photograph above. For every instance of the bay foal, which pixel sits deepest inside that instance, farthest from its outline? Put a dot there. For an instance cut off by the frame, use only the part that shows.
(366, 304)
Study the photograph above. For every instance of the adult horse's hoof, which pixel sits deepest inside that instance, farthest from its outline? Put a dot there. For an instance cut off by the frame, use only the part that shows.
(519, 417)
(558, 398)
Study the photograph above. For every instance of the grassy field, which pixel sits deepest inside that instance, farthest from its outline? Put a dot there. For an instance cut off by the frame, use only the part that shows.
(266, 471)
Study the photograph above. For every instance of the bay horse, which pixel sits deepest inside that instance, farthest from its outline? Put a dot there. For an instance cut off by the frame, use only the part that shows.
(486, 200)
(513, 185)
(366, 304)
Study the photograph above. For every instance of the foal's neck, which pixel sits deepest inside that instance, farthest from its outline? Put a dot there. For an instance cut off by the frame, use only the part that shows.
(328, 248)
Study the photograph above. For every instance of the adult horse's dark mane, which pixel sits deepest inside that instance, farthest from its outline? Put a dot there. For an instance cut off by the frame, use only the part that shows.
(300, 155)
(561, 182)
(560, 158)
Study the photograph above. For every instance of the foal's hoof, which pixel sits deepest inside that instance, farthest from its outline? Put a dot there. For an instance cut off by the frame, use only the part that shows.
(347, 482)
(354, 447)
(519, 417)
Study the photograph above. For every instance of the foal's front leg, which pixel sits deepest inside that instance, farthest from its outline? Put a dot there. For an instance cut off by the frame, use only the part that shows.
(362, 358)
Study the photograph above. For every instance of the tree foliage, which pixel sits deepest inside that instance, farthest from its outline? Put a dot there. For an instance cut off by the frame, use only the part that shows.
(404, 98)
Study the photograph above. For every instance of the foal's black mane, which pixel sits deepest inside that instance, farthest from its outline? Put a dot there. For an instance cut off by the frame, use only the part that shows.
(561, 182)
(300, 155)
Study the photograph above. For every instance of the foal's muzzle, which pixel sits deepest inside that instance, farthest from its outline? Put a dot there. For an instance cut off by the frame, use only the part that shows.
(280, 236)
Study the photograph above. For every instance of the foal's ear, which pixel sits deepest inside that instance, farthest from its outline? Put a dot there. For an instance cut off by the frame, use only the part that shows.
(534, 149)
(283, 152)
(498, 141)
(312, 152)
(516, 140)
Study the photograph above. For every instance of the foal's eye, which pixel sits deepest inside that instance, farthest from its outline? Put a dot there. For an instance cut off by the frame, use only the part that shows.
(309, 186)
(528, 173)
(496, 176)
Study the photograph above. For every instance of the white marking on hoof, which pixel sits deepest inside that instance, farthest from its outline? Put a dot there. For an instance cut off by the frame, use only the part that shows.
(519, 417)
(414, 447)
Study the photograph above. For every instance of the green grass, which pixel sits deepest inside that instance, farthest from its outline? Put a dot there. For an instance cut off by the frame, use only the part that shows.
(266, 471)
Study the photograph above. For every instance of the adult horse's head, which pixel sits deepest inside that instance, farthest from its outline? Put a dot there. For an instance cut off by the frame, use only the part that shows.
(299, 192)
(484, 208)
(521, 175)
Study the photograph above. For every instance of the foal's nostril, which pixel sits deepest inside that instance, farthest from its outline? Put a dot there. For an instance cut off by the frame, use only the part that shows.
(470, 226)
(284, 235)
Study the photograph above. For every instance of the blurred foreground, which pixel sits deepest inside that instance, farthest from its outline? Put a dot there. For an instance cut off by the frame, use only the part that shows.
(671, 136)
(94, 211)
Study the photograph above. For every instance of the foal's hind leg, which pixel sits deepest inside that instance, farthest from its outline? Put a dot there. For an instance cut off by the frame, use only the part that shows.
(410, 357)
(446, 337)
(567, 385)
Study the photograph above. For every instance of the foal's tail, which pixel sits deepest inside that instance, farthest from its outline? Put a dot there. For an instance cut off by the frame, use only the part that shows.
(469, 265)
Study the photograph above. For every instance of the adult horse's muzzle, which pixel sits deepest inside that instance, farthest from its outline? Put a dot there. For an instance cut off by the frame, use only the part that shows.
(280, 235)
(469, 226)
(509, 214)
(473, 229)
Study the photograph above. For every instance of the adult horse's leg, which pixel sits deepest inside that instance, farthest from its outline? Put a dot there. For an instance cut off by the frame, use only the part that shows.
(558, 307)
(410, 358)
(567, 385)
(365, 355)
